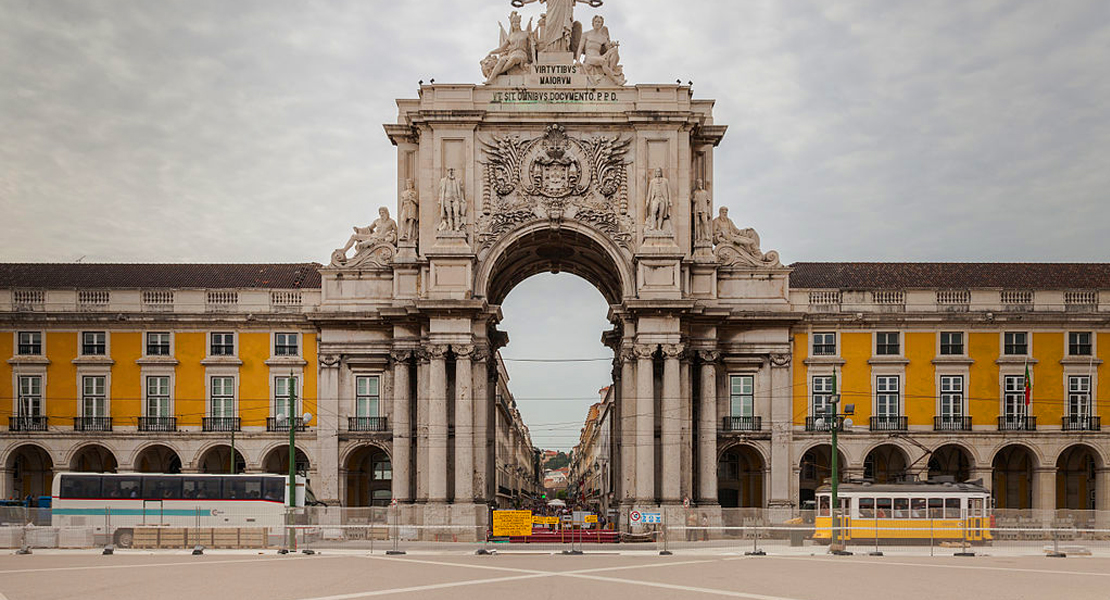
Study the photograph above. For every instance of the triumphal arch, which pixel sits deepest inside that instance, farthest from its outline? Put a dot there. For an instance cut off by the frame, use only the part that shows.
(556, 163)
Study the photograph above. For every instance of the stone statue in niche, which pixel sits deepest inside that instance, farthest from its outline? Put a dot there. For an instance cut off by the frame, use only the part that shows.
(515, 52)
(658, 204)
(410, 209)
(703, 215)
(560, 32)
(739, 246)
(452, 203)
(601, 62)
(380, 235)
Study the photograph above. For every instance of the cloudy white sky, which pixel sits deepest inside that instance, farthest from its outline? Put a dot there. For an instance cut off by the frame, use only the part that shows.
(203, 130)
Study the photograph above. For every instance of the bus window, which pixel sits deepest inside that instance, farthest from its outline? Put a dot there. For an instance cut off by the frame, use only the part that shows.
(901, 508)
(884, 508)
(200, 488)
(952, 508)
(273, 489)
(824, 502)
(867, 507)
(242, 488)
(122, 487)
(917, 508)
(976, 506)
(81, 486)
(162, 487)
(936, 508)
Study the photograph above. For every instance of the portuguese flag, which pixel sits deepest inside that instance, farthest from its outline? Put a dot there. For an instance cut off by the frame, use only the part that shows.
(1028, 386)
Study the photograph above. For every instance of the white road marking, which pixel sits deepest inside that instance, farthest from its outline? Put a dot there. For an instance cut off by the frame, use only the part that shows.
(174, 564)
(968, 567)
(425, 588)
(681, 588)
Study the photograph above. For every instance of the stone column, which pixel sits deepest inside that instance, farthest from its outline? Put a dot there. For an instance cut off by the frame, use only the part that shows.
(1102, 497)
(707, 429)
(1044, 490)
(629, 424)
(437, 424)
(645, 423)
(423, 367)
(326, 484)
(671, 439)
(782, 416)
(402, 426)
(464, 424)
(481, 361)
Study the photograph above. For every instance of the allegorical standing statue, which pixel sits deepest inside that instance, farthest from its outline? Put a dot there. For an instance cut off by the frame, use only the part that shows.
(515, 50)
(703, 214)
(601, 59)
(559, 26)
(410, 210)
(658, 203)
(452, 203)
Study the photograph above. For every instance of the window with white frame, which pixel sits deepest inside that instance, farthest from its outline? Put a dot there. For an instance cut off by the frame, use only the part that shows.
(1015, 343)
(888, 343)
(887, 396)
(824, 344)
(283, 387)
(951, 396)
(367, 396)
(222, 403)
(1013, 395)
(222, 344)
(30, 396)
(1079, 343)
(157, 343)
(94, 400)
(1079, 396)
(94, 343)
(742, 396)
(30, 343)
(822, 395)
(951, 343)
(158, 396)
(285, 344)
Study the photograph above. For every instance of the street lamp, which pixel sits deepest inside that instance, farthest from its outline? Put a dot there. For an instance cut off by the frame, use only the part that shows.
(291, 422)
(835, 547)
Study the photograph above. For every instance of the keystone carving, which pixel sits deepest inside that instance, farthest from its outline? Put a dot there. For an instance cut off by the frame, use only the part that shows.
(329, 360)
(780, 360)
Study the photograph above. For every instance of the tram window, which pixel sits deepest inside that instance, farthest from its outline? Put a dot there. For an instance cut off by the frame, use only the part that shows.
(901, 508)
(200, 488)
(936, 508)
(81, 486)
(122, 487)
(976, 506)
(867, 507)
(883, 506)
(157, 488)
(243, 488)
(952, 508)
(917, 508)
(825, 503)
(273, 489)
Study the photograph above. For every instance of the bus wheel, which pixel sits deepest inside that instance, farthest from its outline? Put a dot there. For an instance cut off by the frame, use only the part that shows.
(124, 538)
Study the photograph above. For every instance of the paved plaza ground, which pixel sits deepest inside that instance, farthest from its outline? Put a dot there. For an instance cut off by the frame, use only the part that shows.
(346, 576)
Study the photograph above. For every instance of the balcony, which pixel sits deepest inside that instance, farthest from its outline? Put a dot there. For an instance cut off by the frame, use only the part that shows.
(889, 423)
(742, 423)
(1082, 423)
(34, 423)
(92, 423)
(220, 423)
(157, 423)
(275, 424)
(824, 425)
(367, 423)
(951, 423)
(1017, 423)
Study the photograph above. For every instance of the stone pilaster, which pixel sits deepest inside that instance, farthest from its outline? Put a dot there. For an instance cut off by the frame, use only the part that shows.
(482, 404)
(707, 428)
(671, 438)
(782, 416)
(645, 423)
(1044, 488)
(464, 424)
(326, 483)
(629, 424)
(437, 423)
(402, 426)
(423, 368)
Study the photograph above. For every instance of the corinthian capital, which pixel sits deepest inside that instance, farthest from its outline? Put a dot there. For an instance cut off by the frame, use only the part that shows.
(401, 355)
(642, 351)
(436, 351)
(673, 350)
(780, 360)
(329, 360)
(463, 351)
(709, 356)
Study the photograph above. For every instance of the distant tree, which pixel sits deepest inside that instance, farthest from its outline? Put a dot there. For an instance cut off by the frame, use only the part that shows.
(561, 494)
(559, 461)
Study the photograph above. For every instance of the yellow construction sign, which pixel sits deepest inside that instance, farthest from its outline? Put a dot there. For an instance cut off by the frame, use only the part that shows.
(591, 519)
(538, 520)
(512, 523)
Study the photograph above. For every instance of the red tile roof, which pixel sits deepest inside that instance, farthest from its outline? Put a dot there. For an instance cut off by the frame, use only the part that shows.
(877, 276)
(145, 276)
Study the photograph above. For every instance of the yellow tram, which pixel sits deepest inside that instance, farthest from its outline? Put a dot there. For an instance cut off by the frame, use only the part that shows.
(906, 512)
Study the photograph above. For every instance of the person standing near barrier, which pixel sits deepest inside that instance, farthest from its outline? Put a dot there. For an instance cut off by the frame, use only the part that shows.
(705, 528)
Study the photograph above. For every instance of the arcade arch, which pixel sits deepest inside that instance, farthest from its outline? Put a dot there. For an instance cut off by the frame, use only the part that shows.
(885, 463)
(1012, 478)
(217, 460)
(369, 475)
(950, 460)
(30, 471)
(93, 458)
(1077, 472)
(740, 475)
(157, 458)
(815, 468)
(277, 461)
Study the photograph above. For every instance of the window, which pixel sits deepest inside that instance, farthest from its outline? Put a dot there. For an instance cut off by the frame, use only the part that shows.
(243, 488)
(273, 489)
(1013, 402)
(80, 486)
(158, 344)
(94, 343)
(887, 343)
(742, 396)
(94, 402)
(1079, 396)
(824, 344)
(887, 398)
(30, 343)
(223, 344)
(952, 396)
(122, 487)
(1015, 343)
(952, 343)
(200, 487)
(367, 396)
(30, 396)
(223, 397)
(382, 470)
(285, 344)
(822, 395)
(1079, 343)
(283, 387)
(158, 396)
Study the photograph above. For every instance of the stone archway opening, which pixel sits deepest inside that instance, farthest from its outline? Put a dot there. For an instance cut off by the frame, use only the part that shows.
(1012, 477)
(950, 460)
(1076, 478)
(93, 458)
(369, 477)
(30, 471)
(740, 473)
(158, 459)
(277, 462)
(217, 461)
(885, 464)
(815, 468)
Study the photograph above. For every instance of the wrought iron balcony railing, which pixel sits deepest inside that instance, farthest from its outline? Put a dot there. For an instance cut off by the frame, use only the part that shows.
(368, 423)
(1017, 423)
(92, 423)
(1082, 423)
(889, 423)
(951, 423)
(157, 423)
(27, 423)
(275, 424)
(220, 423)
(742, 423)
